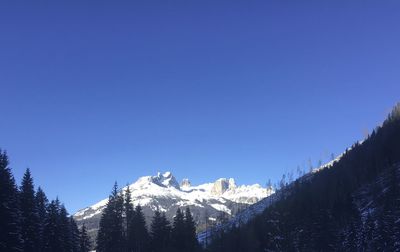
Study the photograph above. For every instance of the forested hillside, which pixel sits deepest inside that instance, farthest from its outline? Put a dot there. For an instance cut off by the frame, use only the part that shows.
(353, 205)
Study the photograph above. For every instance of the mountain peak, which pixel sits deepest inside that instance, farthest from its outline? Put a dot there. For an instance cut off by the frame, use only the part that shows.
(165, 180)
(222, 185)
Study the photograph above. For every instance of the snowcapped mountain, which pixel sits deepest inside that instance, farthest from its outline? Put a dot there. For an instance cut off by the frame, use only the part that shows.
(208, 201)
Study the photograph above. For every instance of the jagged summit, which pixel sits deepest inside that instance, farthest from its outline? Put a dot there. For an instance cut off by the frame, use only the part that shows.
(166, 179)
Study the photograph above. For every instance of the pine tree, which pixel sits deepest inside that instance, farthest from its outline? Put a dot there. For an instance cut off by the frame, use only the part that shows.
(140, 233)
(84, 240)
(129, 213)
(41, 206)
(110, 236)
(52, 233)
(160, 233)
(103, 241)
(178, 232)
(74, 235)
(191, 243)
(64, 228)
(10, 236)
(29, 214)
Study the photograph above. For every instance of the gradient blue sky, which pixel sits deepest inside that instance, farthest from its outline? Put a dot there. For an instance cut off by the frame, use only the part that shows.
(95, 91)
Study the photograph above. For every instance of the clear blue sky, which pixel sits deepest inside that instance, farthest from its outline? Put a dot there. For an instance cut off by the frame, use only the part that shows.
(94, 91)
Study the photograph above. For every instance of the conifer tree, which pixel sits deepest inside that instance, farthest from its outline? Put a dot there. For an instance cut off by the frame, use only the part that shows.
(64, 229)
(178, 232)
(41, 206)
(84, 240)
(160, 233)
(29, 213)
(110, 236)
(74, 235)
(52, 234)
(103, 241)
(140, 233)
(191, 243)
(129, 228)
(10, 237)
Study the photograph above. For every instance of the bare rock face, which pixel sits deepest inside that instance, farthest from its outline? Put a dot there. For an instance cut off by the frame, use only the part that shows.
(222, 185)
(185, 183)
(232, 184)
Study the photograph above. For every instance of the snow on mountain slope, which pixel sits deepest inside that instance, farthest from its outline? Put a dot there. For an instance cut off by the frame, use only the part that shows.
(163, 192)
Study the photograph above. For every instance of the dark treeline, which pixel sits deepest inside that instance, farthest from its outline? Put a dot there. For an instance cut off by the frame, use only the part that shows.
(29, 222)
(354, 205)
(123, 228)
